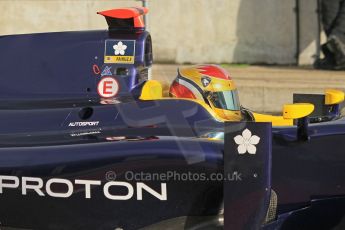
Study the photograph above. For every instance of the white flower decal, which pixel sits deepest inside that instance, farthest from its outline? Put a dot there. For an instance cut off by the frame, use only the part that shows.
(247, 142)
(120, 48)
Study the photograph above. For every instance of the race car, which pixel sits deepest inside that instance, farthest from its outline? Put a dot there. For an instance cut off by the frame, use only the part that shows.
(87, 141)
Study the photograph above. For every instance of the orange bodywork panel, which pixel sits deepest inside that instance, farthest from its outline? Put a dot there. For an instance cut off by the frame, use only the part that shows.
(126, 13)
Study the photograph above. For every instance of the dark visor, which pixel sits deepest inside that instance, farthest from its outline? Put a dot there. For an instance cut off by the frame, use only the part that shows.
(227, 100)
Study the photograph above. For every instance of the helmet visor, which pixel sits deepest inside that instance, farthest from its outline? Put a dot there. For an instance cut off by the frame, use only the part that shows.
(227, 100)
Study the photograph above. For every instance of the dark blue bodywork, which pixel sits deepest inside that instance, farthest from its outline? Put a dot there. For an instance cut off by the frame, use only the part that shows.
(62, 65)
(48, 85)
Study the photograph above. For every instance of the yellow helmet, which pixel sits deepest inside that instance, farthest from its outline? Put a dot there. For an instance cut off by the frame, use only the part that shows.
(211, 84)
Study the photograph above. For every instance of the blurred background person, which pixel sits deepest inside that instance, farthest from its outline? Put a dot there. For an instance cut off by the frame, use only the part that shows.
(333, 20)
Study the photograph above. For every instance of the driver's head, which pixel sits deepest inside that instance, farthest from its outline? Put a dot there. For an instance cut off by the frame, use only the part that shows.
(211, 84)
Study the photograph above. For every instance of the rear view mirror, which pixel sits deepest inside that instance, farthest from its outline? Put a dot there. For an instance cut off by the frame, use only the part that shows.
(296, 111)
(333, 97)
(299, 111)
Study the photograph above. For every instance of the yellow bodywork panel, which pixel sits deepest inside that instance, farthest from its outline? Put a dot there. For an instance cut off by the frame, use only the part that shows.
(333, 96)
(152, 90)
(290, 112)
(276, 120)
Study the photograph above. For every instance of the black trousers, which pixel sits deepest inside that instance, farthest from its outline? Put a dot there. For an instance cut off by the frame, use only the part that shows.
(333, 17)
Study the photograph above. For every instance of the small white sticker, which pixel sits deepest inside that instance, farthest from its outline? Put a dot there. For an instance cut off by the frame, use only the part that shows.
(106, 71)
(120, 48)
(246, 142)
(108, 87)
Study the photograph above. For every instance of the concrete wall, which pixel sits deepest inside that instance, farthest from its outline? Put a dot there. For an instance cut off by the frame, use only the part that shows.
(184, 31)
(224, 31)
(32, 16)
(309, 32)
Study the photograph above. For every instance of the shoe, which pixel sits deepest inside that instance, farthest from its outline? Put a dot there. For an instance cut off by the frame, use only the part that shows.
(326, 63)
(337, 47)
(326, 51)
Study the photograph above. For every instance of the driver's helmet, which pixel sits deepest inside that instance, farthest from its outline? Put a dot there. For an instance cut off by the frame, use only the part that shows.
(211, 84)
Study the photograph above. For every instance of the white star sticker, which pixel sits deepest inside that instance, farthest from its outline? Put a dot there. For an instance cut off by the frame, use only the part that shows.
(247, 142)
(120, 48)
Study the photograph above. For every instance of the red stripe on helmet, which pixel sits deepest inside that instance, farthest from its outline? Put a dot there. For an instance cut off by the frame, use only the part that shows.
(180, 91)
(214, 71)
